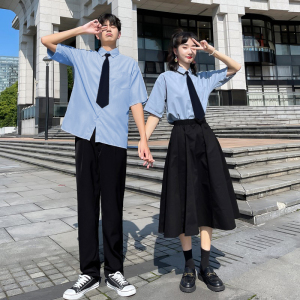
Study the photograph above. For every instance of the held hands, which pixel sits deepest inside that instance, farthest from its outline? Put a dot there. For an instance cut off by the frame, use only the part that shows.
(204, 46)
(145, 154)
(93, 27)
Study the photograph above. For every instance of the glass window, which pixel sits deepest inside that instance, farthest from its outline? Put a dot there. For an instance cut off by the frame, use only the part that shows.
(295, 50)
(202, 68)
(150, 67)
(259, 23)
(141, 43)
(168, 31)
(277, 37)
(292, 37)
(269, 72)
(246, 22)
(257, 71)
(153, 44)
(292, 28)
(203, 24)
(159, 67)
(282, 49)
(169, 21)
(140, 29)
(283, 27)
(192, 23)
(269, 25)
(296, 71)
(270, 37)
(204, 34)
(284, 72)
(166, 44)
(183, 22)
(152, 19)
(152, 30)
(298, 38)
(210, 67)
(284, 38)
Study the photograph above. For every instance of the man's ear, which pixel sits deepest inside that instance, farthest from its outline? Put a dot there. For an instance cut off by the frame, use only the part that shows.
(119, 35)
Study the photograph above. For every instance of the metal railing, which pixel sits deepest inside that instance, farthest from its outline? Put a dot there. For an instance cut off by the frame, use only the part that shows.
(273, 99)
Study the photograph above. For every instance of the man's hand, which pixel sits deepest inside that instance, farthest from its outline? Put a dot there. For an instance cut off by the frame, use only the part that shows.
(145, 154)
(92, 27)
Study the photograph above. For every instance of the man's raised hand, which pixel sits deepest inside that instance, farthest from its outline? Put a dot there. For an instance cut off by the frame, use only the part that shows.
(92, 27)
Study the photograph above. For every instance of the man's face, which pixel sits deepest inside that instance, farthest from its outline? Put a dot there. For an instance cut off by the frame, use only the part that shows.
(109, 33)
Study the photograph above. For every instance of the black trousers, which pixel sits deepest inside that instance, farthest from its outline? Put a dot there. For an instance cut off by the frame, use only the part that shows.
(100, 170)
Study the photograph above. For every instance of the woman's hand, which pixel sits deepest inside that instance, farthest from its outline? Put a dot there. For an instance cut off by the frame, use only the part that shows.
(204, 46)
(92, 27)
(145, 154)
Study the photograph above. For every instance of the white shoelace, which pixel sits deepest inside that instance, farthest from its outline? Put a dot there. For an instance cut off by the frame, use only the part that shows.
(118, 276)
(81, 281)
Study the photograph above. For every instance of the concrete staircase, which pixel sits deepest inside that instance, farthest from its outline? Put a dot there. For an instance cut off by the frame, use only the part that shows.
(280, 122)
(266, 179)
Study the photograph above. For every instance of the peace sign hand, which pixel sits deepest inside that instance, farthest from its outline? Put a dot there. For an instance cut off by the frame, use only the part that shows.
(203, 45)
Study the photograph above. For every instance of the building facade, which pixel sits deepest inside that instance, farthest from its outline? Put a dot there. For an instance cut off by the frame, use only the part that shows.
(8, 71)
(263, 36)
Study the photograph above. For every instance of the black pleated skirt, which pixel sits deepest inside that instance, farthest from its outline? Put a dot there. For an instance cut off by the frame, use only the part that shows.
(197, 189)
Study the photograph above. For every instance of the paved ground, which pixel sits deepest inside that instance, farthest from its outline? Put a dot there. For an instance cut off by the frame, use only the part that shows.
(39, 251)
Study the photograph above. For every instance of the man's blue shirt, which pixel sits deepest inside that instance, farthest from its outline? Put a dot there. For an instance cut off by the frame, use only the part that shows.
(126, 88)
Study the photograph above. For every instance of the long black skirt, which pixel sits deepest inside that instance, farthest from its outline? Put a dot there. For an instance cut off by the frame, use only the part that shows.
(197, 189)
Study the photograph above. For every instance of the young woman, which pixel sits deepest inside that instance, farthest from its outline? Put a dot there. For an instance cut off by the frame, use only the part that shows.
(197, 191)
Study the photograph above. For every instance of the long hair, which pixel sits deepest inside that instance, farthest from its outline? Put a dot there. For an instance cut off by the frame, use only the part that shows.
(179, 37)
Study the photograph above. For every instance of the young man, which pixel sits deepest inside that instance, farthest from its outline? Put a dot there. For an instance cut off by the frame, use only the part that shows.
(106, 84)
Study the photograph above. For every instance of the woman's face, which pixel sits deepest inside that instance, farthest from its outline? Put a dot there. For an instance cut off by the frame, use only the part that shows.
(184, 52)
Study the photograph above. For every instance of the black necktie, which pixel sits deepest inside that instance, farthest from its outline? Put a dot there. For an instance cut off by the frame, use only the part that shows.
(197, 106)
(103, 91)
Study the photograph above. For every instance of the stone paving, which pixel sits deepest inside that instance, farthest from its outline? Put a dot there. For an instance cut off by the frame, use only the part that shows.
(39, 250)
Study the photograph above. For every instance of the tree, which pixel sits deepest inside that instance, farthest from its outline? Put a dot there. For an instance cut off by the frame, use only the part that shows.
(8, 106)
(70, 81)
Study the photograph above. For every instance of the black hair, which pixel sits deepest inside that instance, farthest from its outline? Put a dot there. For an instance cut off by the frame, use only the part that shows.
(113, 20)
(178, 38)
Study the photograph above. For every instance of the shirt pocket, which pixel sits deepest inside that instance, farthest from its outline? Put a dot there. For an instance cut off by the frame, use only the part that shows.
(120, 80)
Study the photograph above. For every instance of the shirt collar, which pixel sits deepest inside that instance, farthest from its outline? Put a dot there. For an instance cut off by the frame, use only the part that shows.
(182, 70)
(114, 52)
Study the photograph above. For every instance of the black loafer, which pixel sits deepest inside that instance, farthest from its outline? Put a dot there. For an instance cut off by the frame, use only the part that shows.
(211, 279)
(187, 283)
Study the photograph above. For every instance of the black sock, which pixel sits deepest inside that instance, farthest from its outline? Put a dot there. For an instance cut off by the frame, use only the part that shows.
(189, 262)
(204, 259)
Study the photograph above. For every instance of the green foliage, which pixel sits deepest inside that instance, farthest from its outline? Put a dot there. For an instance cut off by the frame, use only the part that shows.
(70, 81)
(8, 106)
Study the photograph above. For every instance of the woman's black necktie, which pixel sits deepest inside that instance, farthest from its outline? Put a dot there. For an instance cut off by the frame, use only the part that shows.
(197, 106)
(103, 91)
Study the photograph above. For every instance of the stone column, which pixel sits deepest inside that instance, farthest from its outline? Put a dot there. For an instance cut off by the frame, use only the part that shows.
(227, 30)
(127, 12)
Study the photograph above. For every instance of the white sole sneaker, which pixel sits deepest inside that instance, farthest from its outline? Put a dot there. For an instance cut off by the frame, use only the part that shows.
(122, 293)
(79, 295)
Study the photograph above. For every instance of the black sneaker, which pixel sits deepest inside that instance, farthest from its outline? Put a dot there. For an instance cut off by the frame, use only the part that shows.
(187, 283)
(117, 282)
(211, 279)
(84, 284)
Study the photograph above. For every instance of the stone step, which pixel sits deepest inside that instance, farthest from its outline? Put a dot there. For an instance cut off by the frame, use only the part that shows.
(258, 208)
(259, 136)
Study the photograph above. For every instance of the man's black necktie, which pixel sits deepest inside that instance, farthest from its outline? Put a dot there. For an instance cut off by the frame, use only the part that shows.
(197, 106)
(103, 91)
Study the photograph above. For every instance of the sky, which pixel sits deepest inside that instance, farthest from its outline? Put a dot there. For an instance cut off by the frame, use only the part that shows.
(9, 37)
